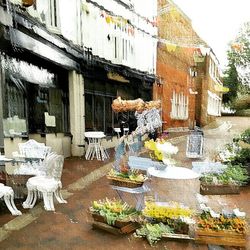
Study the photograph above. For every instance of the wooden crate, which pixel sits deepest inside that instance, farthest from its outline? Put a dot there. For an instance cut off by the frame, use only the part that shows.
(219, 189)
(171, 236)
(121, 227)
(129, 228)
(124, 182)
(225, 238)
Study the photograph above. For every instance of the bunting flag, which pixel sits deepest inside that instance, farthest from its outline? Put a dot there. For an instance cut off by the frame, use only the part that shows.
(125, 25)
(174, 13)
(171, 47)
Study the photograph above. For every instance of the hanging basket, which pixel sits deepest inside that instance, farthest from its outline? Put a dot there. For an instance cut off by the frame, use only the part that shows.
(27, 3)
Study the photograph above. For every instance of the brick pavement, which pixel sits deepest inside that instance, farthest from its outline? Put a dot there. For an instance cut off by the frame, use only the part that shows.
(69, 227)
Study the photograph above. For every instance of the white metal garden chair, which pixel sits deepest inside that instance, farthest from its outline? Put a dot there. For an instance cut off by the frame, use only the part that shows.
(33, 149)
(49, 185)
(7, 194)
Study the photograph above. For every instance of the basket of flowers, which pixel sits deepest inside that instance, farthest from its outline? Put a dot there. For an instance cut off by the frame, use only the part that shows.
(165, 220)
(221, 229)
(161, 150)
(115, 213)
(130, 179)
(226, 182)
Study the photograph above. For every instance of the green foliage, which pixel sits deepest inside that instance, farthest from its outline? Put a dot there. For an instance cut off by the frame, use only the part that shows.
(245, 137)
(243, 157)
(233, 174)
(153, 232)
(113, 210)
(237, 75)
(241, 54)
(241, 102)
(231, 81)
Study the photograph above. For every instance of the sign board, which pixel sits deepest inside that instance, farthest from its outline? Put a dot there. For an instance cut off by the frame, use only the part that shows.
(195, 145)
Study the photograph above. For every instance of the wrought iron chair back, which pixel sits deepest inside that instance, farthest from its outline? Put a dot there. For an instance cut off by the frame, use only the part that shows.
(33, 149)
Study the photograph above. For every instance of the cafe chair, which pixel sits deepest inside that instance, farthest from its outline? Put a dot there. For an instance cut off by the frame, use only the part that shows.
(49, 185)
(33, 149)
(7, 194)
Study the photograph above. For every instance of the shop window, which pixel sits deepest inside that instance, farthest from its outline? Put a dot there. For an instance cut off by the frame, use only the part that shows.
(15, 99)
(98, 113)
(14, 108)
(179, 106)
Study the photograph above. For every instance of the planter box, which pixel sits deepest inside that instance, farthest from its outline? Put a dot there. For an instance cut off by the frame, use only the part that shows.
(219, 189)
(118, 224)
(124, 182)
(225, 238)
(177, 236)
(120, 227)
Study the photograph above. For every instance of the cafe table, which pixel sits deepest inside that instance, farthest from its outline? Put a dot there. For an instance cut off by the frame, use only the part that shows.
(95, 147)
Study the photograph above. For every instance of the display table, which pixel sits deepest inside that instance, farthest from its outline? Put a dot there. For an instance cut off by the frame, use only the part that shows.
(179, 173)
(175, 184)
(138, 194)
(95, 147)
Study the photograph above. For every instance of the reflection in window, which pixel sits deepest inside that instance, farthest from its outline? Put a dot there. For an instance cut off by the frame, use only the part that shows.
(98, 113)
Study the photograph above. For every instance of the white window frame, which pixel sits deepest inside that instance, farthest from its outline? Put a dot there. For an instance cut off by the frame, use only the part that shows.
(179, 109)
(53, 18)
(214, 103)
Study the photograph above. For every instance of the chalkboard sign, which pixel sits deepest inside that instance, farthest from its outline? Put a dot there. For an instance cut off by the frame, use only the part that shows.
(194, 145)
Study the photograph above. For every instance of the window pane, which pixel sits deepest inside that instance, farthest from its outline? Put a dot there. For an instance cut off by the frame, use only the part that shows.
(99, 113)
(88, 112)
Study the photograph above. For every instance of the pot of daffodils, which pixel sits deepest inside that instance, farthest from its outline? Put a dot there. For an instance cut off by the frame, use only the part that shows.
(162, 150)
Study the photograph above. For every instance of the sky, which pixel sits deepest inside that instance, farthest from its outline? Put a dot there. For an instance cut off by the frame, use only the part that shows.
(217, 22)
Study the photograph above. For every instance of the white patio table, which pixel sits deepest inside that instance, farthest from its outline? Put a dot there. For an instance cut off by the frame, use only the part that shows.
(175, 184)
(95, 147)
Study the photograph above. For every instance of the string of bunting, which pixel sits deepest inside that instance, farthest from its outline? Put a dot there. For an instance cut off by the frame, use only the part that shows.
(117, 20)
(127, 26)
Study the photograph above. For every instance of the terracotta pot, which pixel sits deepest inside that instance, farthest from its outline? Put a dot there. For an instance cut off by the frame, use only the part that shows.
(28, 3)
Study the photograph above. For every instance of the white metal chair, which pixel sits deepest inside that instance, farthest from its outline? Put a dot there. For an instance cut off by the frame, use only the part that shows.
(49, 185)
(7, 194)
(33, 149)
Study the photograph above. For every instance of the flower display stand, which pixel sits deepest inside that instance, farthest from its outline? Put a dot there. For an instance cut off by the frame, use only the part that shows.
(225, 238)
(206, 189)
